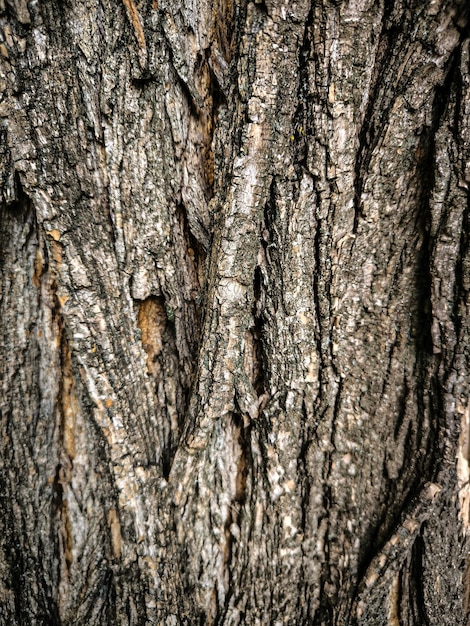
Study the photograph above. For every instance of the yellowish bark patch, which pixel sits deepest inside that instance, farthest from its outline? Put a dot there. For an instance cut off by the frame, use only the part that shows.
(115, 528)
(152, 323)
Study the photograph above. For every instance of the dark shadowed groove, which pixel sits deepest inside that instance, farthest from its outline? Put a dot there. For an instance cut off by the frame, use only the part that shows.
(270, 242)
(420, 447)
(243, 492)
(427, 364)
(302, 121)
(370, 132)
(461, 285)
(415, 583)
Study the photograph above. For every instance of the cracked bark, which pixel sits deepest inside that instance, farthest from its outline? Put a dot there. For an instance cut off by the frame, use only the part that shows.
(234, 327)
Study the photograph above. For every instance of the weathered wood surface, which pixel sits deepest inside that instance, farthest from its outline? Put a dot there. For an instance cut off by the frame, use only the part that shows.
(234, 329)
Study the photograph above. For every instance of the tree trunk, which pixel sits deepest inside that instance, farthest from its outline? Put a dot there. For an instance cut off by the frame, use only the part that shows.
(234, 337)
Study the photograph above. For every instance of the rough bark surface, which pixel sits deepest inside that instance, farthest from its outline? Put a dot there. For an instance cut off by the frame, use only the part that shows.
(234, 315)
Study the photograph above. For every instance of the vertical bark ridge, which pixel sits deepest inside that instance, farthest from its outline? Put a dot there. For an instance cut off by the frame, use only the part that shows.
(232, 279)
(24, 582)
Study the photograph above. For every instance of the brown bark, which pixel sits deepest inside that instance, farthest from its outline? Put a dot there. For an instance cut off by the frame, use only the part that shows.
(234, 312)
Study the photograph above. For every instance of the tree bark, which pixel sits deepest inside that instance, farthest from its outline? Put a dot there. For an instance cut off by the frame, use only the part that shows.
(234, 316)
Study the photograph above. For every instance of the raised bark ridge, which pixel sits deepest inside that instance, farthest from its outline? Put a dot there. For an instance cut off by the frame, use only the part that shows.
(234, 353)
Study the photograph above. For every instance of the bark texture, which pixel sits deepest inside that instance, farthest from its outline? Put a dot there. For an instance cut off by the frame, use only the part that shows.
(234, 315)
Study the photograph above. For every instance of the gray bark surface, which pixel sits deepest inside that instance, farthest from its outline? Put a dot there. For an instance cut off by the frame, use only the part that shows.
(234, 314)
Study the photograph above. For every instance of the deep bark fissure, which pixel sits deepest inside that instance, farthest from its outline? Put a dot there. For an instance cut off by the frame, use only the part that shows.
(415, 588)
(431, 455)
(380, 100)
